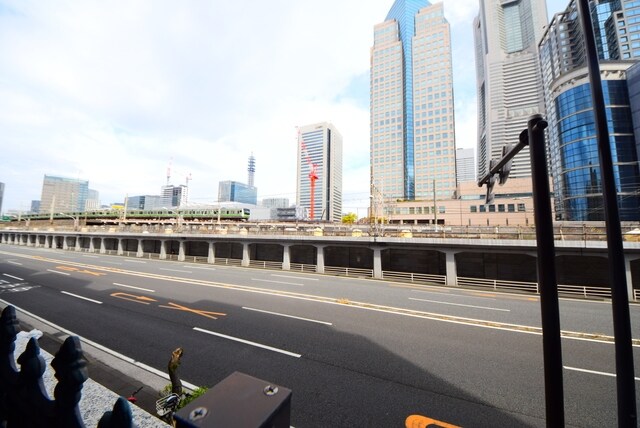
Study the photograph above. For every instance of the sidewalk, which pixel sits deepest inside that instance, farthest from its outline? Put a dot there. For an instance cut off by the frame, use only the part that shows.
(109, 376)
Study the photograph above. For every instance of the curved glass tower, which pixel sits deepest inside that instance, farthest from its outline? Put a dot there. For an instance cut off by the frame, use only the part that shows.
(573, 146)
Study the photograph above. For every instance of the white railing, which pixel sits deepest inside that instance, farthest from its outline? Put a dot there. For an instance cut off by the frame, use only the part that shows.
(418, 278)
(346, 271)
(263, 264)
(496, 284)
(301, 267)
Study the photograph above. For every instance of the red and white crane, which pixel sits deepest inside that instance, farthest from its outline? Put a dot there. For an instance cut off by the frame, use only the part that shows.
(313, 173)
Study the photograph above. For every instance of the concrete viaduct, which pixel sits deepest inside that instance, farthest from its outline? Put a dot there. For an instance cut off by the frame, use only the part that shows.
(499, 263)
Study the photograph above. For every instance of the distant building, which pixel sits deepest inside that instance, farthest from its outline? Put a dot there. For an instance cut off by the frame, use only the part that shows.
(175, 196)
(62, 194)
(35, 206)
(512, 206)
(93, 201)
(465, 165)
(146, 202)
(320, 146)
(234, 191)
(1, 195)
(275, 202)
(251, 169)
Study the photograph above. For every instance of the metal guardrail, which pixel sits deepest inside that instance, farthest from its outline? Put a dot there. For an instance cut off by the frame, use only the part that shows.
(418, 278)
(265, 264)
(350, 272)
(496, 284)
(301, 267)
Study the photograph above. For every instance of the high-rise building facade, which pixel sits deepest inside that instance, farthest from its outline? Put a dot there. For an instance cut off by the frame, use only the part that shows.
(573, 146)
(62, 194)
(175, 196)
(320, 152)
(412, 113)
(465, 165)
(234, 191)
(1, 195)
(508, 82)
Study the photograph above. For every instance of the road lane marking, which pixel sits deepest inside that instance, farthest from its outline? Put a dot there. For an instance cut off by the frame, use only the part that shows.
(287, 316)
(247, 342)
(81, 297)
(133, 298)
(455, 295)
(175, 270)
(460, 304)
(575, 369)
(199, 267)
(75, 269)
(515, 328)
(419, 421)
(14, 263)
(60, 273)
(134, 261)
(204, 313)
(14, 277)
(295, 277)
(113, 263)
(92, 257)
(277, 282)
(135, 288)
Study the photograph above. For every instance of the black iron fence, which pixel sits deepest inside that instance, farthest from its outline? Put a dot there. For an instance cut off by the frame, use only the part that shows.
(24, 401)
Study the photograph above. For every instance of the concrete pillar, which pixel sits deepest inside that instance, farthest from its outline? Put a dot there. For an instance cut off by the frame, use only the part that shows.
(627, 268)
(77, 244)
(140, 252)
(103, 246)
(36, 241)
(452, 271)
(120, 248)
(211, 256)
(245, 254)
(320, 260)
(181, 252)
(92, 247)
(377, 262)
(163, 249)
(65, 244)
(286, 257)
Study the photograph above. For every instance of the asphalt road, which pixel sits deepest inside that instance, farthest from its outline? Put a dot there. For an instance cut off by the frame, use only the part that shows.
(355, 352)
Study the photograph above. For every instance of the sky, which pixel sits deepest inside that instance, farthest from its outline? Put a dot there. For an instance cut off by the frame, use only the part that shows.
(115, 92)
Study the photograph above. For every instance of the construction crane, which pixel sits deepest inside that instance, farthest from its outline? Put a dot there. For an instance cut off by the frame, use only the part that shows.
(187, 178)
(313, 173)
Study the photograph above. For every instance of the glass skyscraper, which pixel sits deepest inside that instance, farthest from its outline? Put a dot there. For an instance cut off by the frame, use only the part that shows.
(412, 114)
(573, 147)
(509, 86)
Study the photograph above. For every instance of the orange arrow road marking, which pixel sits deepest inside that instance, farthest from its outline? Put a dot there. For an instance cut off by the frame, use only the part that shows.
(133, 298)
(418, 421)
(207, 314)
(75, 269)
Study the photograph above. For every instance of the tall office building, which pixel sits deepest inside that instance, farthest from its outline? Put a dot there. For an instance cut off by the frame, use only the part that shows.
(1, 195)
(509, 86)
(62, 194)
(465, 165)
(251, 170)
(572, 138)
(412, 114)
(320, 149)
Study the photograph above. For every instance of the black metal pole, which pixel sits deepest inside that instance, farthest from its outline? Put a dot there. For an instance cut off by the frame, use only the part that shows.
(546, 264)
(627, 416)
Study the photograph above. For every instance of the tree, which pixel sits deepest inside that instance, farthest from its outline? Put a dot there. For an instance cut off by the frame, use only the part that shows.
(350, 218)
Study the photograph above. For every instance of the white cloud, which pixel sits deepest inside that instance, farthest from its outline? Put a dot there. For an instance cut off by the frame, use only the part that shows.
(111, 91)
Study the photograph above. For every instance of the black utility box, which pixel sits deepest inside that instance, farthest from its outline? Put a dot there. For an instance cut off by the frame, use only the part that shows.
(239, 401)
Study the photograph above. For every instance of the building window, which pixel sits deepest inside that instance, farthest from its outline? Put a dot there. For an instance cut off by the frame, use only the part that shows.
(492, 208)
(511, 208)
(473, 209)
(483, 208)
(521, 208)
(501, 208)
